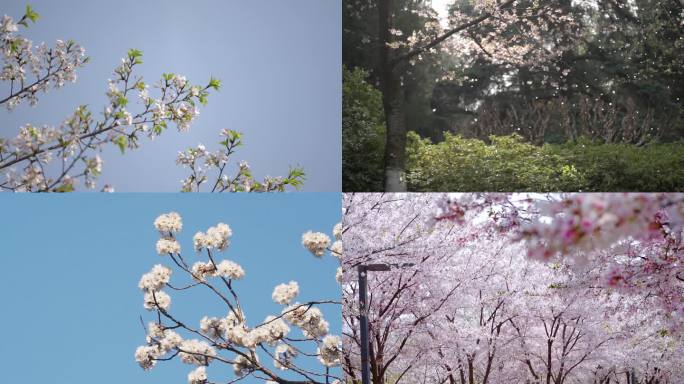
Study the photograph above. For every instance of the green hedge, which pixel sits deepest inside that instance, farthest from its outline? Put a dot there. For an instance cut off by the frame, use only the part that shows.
(509, 163)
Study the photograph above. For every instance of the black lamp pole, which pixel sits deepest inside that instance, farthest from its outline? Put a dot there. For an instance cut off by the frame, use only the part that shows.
(363, 309)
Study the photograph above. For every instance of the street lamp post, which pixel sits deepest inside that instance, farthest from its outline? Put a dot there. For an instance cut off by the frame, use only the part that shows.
(363, 310)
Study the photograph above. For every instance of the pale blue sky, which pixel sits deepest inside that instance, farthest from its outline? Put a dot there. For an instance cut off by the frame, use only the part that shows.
(279, 61)
(71, 265)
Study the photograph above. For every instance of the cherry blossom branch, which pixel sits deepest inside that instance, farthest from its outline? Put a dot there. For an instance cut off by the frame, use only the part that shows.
(81, 135)
(214, 167)
(419, 50)
(232, 334)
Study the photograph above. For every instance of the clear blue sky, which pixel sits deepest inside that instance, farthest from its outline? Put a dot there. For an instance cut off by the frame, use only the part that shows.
(71, 265)
(279, 61)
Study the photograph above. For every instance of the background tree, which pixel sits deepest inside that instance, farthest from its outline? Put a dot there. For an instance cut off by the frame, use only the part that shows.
(398, 49)
(552, 72)
(475, 308)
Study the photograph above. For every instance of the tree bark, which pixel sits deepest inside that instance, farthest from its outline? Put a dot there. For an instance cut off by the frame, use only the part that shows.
(395, 147)
(393, 104)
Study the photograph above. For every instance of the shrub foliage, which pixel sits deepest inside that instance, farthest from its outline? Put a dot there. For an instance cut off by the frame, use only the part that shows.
(508, 163)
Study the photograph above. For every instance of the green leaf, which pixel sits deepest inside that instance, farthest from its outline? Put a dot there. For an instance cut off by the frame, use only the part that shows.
(296, 177)
(14, 46)
(215, 83)
(159, 127)
(234, 135)
(121, 141)
(31, 14)
(134, 53)
(83, 113)
(122, 101)
(65, 188)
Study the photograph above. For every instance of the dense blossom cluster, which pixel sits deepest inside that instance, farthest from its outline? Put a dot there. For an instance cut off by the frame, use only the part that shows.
(196, 352)
(156, 279)
(169, 223)
(198, 376)
(284, 293)
(330, 351)
(463, 298)
(230, 339)
(151, 283)
(160, 341)
(157, 299)
(309, 319)
(217, 237)
(225, 268)
(167, 245)
(585, 222)
(316, 242)
(229, 270)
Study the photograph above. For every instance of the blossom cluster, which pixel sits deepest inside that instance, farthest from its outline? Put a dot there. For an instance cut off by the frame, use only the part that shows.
(160, 341)
(197, 352)
(151, 283)
(583, 222)
(284, 293)
(217, 237)
(309, 319)
(483, 28)
(198, 376)
(330, 351)
(156, 279)
(225, 268)
(316, 242)
(244, 366)
(169, 223)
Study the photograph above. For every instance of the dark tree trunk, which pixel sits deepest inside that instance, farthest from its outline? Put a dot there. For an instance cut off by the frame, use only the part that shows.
(393, 103)
(395, 148)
